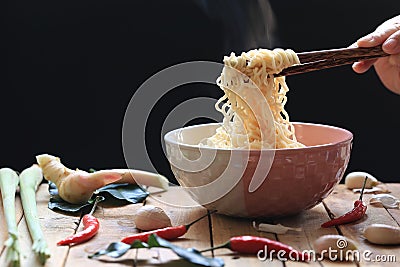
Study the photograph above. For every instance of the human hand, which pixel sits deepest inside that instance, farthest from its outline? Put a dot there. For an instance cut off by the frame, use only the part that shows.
(387, 68)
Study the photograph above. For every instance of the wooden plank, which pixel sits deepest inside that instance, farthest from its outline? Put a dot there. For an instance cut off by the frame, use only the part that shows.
(115, 223)
(224, 227)
(198, 236)
(395, 191)
(309, 221)
(55, 226)
(3, 225)
(340, 202)
(51, 224)
(395, 214)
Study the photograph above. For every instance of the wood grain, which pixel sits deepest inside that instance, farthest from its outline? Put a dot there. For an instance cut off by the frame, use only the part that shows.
(340, 202)
(341, 53)
(198, 235)
(323, 59)
(3, 225)
(54, 225)
(117, 222)
(310, 221)
(224, 227)
(395, 213)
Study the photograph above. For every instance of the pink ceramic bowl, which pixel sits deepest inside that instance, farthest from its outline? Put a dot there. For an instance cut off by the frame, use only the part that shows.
(287, 181)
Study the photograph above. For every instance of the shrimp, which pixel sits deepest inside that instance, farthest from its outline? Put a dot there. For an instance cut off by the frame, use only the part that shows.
(77, 186)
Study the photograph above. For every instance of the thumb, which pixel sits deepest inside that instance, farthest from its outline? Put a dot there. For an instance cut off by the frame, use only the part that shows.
(380, 35)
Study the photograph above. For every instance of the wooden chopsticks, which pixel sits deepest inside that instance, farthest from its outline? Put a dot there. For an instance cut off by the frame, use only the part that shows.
(318, 60)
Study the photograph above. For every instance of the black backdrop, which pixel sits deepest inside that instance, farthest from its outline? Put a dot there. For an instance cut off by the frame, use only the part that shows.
(73, 66)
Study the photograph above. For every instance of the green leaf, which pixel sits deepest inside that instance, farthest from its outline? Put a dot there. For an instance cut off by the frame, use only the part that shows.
(114, 250)
(192, 255)
(128, 193)
(53, 191)
(139, 244)
(57, 203)
(118, 249)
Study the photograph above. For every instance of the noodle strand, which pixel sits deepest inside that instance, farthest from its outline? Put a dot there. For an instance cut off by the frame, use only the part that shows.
(247, 123)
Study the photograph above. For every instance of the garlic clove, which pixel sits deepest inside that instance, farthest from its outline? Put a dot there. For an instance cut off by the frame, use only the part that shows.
(386, 200)
(355, 180)
(335, 247)
(150, 217)
(382, 234)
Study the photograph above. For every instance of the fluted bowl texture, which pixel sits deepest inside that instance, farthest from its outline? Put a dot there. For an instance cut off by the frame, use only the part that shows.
(292, 180)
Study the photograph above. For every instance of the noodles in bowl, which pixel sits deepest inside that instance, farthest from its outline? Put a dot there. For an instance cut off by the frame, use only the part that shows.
(254, 111)
(256, 163)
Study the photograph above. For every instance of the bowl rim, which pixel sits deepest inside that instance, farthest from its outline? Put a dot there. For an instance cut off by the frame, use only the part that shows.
(168, 139)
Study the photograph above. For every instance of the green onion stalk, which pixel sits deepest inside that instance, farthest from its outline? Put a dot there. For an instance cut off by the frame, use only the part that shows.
(30, 179)
(8, 185)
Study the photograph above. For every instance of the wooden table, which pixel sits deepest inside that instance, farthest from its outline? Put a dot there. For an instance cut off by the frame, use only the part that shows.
(117, 222)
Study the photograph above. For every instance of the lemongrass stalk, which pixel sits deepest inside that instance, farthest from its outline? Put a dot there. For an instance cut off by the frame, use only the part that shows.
(8, 186)
(30, 179)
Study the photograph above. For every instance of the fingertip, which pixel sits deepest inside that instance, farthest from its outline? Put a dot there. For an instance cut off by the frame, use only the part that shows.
(391, 46)
(356, 67)
(366, 41)
(361, 67)
(372, 39)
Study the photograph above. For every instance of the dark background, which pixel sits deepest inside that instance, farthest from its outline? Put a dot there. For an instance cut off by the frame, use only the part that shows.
(72, 68)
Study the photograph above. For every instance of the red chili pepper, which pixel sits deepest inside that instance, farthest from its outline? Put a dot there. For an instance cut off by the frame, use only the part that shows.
(168, 233)
(355, 214)
(258, 245)
(90, 228)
